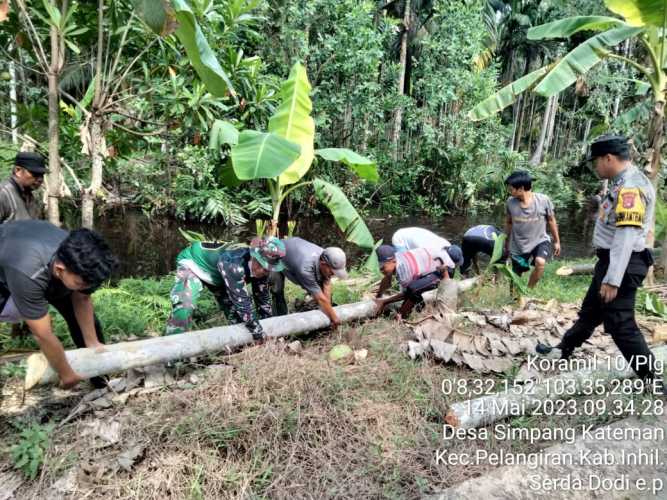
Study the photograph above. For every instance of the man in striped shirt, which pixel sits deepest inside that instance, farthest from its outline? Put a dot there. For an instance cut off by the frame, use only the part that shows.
(416, 270)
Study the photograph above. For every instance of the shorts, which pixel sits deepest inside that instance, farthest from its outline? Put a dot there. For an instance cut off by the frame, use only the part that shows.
(522, 262)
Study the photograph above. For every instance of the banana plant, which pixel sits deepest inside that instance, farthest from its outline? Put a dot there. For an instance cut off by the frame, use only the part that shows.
(165, 17)
(643, 20)
(286, 153)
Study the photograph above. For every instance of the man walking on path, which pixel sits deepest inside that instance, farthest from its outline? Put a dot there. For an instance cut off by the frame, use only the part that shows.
(624, 220)
(226, 272)
(42, 265)
(17, 201)
(311, 267)
(412, 238)
(528, 215)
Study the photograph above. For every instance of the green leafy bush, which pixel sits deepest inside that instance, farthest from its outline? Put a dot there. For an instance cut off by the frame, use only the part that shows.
(28, 454)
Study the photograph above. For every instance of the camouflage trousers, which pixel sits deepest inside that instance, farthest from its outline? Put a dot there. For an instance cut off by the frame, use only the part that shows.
(184, 296)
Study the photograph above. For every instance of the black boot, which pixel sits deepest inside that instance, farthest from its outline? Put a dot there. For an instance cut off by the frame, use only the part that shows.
(557, 352)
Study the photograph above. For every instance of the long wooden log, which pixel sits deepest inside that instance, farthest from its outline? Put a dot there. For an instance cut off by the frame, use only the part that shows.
(588, 267)
(125, 355)
(488, 409)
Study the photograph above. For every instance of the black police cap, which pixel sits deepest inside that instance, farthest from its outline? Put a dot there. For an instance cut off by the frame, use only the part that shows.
(608, 144)
(33, 162)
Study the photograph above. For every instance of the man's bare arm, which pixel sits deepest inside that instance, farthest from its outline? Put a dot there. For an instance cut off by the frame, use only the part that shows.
(385, 284)
(553, 229)
(53, 350)
(323, 300)
(508, 232)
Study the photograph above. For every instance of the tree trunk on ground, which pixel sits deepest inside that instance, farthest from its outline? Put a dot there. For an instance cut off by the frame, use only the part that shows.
(588, 267)
(126, 355)
(576, 269)
(536, 159)
(489, 409)
(398, 113)
(54, 180)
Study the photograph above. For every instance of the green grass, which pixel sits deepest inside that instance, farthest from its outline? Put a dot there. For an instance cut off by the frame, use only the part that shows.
(140, 307)
(569, 289)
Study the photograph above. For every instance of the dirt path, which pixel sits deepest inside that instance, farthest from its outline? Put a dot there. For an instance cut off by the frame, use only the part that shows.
(603, 466)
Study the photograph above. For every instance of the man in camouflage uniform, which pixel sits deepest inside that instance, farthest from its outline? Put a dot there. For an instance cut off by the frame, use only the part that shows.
(624, 220)
(226, 273)
(17, 201)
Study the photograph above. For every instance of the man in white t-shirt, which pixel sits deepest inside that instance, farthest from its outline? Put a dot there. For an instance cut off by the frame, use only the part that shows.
(412, 238)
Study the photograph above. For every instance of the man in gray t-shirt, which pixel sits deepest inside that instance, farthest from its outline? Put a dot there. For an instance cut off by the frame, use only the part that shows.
(528, 215)
(311, 267)
(42, 265)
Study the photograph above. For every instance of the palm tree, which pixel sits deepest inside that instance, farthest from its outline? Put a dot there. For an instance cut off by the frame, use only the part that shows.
(642, 21)
(415, 15)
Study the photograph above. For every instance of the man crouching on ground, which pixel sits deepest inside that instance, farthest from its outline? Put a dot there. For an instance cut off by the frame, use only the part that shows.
(417, 271)
(41, 264)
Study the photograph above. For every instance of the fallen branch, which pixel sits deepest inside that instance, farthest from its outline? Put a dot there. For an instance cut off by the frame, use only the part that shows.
(126, 355)
(576, 269)
(588, 267)
(486, 410)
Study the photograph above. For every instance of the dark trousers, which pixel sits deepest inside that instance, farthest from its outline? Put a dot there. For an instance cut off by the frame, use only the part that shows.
(422, 284)
(413, 292)
(471, 246)
(66, 309)
(278, 300)
(617, 316)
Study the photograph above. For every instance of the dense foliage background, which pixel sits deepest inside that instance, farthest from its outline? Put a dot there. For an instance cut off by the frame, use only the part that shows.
(448, 54)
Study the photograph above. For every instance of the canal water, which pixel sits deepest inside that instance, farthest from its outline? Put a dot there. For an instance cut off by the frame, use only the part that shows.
(147, 246)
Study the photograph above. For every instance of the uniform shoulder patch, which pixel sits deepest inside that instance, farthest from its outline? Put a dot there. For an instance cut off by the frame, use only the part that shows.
(630, 209)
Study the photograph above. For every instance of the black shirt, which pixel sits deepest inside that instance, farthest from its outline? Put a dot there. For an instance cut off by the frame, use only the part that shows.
(27, 250)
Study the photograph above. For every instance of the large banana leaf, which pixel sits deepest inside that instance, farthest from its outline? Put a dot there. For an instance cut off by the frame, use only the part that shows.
(346, 216)
(582, 59)
(507, 95)
(639, 112)
(498, 248)
(199, 52)
(564, 28)
(260, 155)
(640, 12)
(364, 167)
(372, 264)
(158, 15)
(223, 132)
(292, 121)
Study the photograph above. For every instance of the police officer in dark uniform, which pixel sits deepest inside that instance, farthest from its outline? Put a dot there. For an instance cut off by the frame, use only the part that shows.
(17, 201)
(624, 220)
